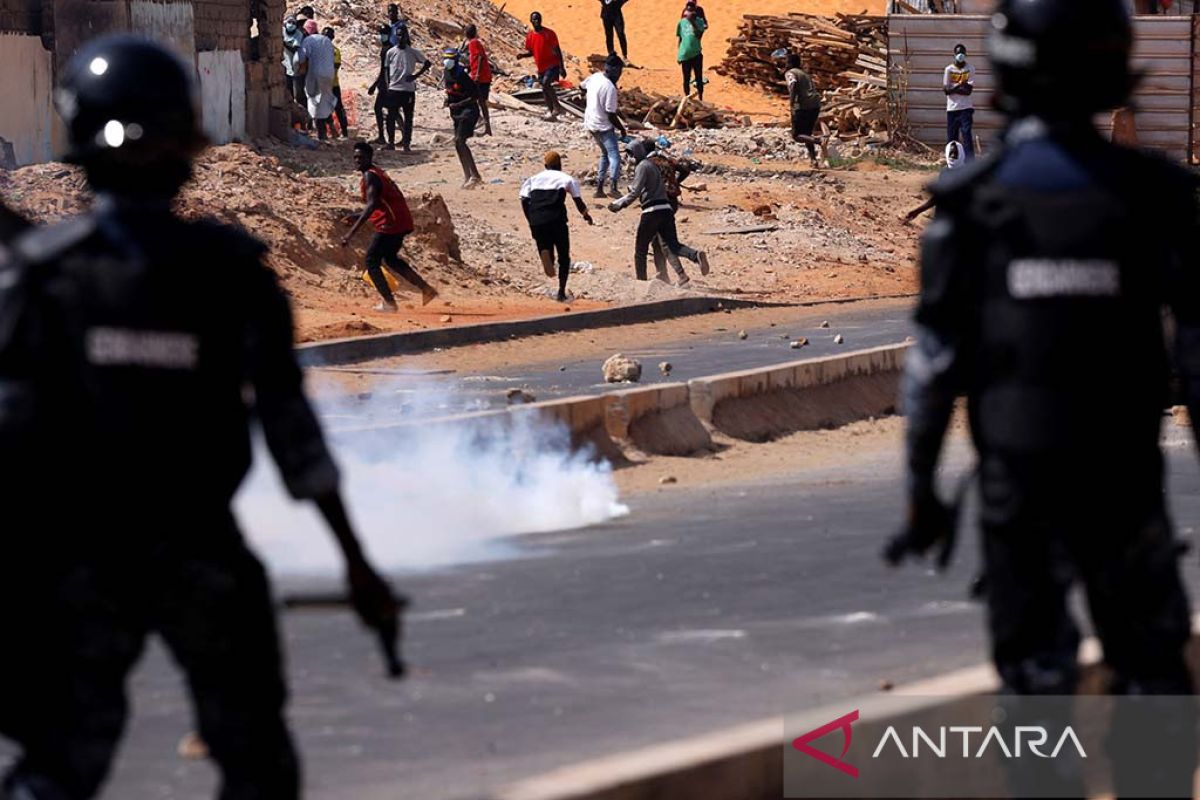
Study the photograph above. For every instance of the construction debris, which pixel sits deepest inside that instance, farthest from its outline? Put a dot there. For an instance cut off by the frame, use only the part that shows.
(621, 368)
(846, 56)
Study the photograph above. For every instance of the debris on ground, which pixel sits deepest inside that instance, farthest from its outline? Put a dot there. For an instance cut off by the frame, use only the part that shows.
(621, 368)
(518, 396)
(743, 335)
(798, 343)
(665, 367)
(839, 339)
(666, 480)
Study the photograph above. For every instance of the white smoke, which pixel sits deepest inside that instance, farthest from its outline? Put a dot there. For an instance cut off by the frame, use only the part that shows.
(431, 495)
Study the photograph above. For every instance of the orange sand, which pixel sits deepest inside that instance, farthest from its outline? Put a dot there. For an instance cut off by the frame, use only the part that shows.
(650, 28)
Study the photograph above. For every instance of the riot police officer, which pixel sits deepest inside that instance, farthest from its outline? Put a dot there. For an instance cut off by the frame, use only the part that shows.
(136, 346)
(1043, 276)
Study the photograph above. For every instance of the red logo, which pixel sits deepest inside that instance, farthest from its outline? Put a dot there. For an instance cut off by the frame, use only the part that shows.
(841, 723)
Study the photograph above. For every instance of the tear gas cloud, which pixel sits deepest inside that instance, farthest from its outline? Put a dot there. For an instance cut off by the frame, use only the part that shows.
(429, 495)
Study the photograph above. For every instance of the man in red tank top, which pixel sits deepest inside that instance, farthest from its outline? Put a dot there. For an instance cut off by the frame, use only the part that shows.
(388, 213)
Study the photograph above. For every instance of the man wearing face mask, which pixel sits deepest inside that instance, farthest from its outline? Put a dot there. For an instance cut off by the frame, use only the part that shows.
(958, 82)
(380, 87)
(293, 37)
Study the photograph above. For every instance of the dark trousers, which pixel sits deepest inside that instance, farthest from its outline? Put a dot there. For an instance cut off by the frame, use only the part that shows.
(804, 122)
(380, 106)
(210, 602)
(960, 128)
(385, 249)
(658, 223)
(693, 68)
(339, 111)
(551, 237)
(400, 103)
(615, 23)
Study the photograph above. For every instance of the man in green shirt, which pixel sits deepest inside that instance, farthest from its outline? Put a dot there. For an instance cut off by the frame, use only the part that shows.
(690, 57)
(805, 103)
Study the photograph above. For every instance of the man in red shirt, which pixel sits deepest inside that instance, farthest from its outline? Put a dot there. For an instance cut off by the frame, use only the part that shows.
(388, 212)
(480, 70)
(542, 44)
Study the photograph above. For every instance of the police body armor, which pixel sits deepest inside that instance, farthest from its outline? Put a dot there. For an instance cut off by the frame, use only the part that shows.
(1069, 355)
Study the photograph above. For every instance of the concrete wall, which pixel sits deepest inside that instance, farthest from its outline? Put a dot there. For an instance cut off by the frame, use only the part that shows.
(1162, 51)
(27, 124)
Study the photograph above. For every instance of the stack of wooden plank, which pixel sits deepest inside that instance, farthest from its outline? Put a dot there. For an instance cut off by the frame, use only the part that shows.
(845, 55)
(660, 111)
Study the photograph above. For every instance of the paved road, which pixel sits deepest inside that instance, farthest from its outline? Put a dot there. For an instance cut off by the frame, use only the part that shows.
(699, 610)
(714, 349)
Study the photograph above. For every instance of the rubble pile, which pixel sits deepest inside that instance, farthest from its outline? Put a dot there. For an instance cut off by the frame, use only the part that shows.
(846, 56)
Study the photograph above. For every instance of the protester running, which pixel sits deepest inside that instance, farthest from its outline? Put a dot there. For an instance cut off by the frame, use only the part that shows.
(805, 103)
(658, 215)
(674, 172)
(403, 73)
(601, 120)
(388, 212)
(544, 201)
(462, 98)
(690, 55)
(542, 45)
(480, 69)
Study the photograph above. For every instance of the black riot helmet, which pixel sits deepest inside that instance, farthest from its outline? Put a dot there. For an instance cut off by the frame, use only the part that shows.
(130, 108)
(1039, 49)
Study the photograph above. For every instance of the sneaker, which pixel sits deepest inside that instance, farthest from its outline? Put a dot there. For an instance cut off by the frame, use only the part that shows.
(702, 257)
(389, 308)
(471, 183)
(600, 193)
(428, 294)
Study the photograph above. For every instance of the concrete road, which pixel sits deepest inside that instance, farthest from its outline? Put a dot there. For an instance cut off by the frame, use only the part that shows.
(714, 348)
(701, 609)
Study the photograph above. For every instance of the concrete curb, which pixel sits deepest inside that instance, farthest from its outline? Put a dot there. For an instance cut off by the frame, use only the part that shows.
(756, 405)
(385, 345)
(366, 348)
(746, 762)
(657, 420)
(675, 418)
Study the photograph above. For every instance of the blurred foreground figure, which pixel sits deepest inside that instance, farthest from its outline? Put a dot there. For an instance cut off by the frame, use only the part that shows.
(1044, 275)
(118, 364)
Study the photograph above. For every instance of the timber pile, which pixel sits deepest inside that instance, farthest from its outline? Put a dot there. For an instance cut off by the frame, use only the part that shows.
(661, 111)
(846, 56)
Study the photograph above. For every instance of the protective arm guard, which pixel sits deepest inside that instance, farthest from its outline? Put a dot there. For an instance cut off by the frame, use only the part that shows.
(933, 374)
(289, 424)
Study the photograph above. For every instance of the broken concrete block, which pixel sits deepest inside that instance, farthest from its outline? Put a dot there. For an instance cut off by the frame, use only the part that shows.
(620, 368)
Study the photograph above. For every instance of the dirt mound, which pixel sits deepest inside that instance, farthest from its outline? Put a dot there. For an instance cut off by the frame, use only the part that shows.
(297, 215)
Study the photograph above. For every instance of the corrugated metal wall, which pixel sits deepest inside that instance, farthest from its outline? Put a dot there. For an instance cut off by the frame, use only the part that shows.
(1163, 50)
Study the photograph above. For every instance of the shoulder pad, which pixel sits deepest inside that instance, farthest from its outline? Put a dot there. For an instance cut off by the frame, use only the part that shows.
(955, 184)
(43, 244)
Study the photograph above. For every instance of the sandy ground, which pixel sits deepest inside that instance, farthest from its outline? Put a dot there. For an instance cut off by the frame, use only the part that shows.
(650, 28)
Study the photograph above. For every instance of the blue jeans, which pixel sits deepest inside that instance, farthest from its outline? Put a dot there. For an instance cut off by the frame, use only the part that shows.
(959, 126)
(610, 157)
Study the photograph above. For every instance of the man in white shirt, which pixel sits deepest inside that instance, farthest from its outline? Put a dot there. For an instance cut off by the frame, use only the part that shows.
(544, 201)
(602, 121)
(316, 54)
(958, 82)
(405, 64)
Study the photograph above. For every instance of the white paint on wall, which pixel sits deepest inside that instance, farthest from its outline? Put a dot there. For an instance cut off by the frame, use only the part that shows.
(223, 94)
(173, 23)
(28, 118)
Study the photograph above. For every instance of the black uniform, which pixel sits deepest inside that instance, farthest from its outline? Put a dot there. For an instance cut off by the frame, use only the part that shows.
(131, 402)
(1044, 276)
